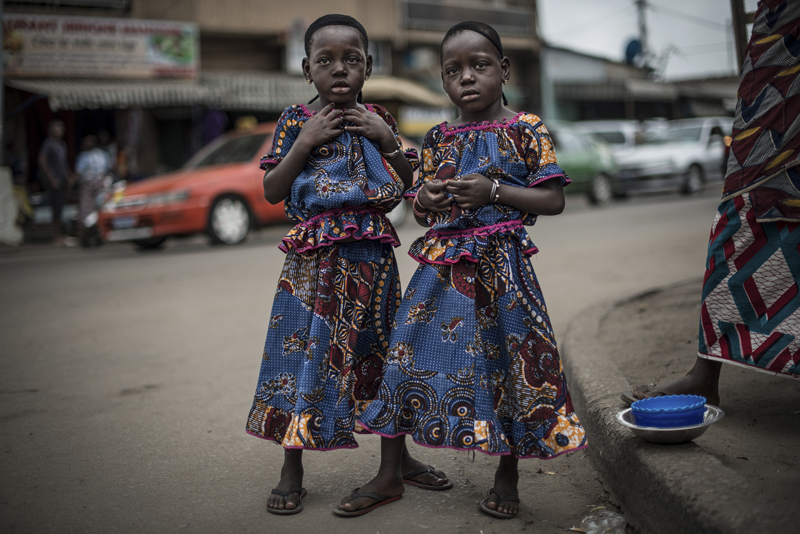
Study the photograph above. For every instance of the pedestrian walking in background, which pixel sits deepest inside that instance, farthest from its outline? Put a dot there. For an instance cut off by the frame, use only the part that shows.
(473, 362)
(750, 314)
(92, 166)
(339, 167)
(56, 176)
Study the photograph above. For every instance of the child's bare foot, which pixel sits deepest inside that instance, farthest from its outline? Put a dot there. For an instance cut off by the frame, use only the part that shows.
(505, 483)
(703, 380)
(387, 483)
(427, 476)
(384, 484)
(291, 477)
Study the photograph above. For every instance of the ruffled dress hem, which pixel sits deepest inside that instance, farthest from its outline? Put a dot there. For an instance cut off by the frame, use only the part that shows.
(447, 247)
(330, 227)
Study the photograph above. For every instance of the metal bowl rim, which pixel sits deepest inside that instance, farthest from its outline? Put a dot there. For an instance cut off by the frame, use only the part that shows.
(715, 414)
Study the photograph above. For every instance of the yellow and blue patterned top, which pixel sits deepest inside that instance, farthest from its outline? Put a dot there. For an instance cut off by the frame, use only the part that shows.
(517, 152)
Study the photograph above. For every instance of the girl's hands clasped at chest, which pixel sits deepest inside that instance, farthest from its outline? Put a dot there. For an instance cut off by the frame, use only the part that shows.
(325, 125)
(470, 190)
(371, 126)
(432, 196)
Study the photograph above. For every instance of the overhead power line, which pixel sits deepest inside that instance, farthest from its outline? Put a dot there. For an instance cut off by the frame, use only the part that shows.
(691, 18)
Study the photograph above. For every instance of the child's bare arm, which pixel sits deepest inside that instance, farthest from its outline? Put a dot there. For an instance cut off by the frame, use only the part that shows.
(474, 190)
(317, 130)
(375, 128)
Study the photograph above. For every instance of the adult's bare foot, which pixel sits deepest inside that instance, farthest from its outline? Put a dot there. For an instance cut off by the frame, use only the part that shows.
(703, 380)
(505, 483)
(291, 477)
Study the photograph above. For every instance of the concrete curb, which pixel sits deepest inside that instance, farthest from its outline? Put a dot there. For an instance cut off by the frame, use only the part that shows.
(666, 489)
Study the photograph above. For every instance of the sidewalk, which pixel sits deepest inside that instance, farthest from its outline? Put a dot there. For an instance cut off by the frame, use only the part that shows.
(741, 476)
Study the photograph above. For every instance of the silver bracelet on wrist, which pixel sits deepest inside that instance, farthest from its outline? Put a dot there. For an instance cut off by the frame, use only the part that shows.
(392, 155)
(494, 196)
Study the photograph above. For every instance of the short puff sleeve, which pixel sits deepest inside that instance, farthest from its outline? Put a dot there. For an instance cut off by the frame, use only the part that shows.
(286, 132)
(539, 152)
(430, 162)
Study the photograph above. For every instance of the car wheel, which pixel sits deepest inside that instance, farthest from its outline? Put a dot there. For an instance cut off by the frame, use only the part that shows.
(601, 191)
(229, 220)
(154, 243)
(398, 215)
(693, 181)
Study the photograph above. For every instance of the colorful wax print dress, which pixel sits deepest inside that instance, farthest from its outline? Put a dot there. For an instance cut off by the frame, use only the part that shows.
(473, 362)
(333, 310)
(750, 315)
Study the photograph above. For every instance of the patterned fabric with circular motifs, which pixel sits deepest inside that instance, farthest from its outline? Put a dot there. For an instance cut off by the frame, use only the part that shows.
(326, 344)
(473, 362)
(345, 188)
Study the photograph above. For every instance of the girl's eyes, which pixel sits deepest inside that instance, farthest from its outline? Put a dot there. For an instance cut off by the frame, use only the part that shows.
(481, 65)
(451, 71)
(353, 59)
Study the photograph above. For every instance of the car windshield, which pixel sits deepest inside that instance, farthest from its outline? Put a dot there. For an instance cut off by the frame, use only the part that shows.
(674, 135)
(236, 150)
(612, 138)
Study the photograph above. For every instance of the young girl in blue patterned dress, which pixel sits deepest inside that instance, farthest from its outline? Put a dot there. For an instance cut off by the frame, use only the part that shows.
(473, 362)
(339, 167)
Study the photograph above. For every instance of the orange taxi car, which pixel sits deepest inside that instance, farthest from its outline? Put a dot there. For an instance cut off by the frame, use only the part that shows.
(219, 191)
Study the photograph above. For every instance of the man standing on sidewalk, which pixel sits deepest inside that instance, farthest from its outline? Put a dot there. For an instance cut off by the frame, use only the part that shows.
(55, 175)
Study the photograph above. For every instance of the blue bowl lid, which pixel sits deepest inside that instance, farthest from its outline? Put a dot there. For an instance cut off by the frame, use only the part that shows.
(668, 404)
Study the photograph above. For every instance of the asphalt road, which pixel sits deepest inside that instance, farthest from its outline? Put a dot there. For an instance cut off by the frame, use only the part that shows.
(126, 378)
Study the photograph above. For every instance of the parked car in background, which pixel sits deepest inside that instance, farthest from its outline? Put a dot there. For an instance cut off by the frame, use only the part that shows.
(218, 191)
(620, 135)
(683, 157)
(587, 160)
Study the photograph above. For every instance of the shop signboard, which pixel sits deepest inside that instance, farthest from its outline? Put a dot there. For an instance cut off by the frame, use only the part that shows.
(36, 46)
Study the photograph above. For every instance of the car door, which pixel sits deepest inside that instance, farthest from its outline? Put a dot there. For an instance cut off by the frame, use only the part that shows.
(714, 151)
(574, 155)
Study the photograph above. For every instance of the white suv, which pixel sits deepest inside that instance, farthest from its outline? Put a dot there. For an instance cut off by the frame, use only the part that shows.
(683, 156)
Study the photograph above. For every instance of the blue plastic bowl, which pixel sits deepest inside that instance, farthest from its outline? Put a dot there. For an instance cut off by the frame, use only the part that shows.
(669, 411)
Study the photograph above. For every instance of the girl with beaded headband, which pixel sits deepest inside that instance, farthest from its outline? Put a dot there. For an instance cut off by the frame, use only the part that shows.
(339, 167)
(473, 362)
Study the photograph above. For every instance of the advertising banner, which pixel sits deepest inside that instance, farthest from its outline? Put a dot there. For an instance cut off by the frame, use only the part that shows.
(36, 46)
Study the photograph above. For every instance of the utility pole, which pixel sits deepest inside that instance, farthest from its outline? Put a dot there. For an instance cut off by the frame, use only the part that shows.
(740, 21)
(641, 5)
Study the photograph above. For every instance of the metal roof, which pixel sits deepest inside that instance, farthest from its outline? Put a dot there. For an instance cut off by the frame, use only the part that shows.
(230, 91)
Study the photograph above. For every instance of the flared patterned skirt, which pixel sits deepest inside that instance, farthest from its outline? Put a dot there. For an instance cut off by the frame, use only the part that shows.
(750, 314)
(326, 344)
(473, 362)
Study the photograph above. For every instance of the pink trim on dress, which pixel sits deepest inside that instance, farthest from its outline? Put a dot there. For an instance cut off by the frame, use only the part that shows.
(327, 240)
(478, 230)
(469, 449)
(550, 177)
(306, 110)
(485, 125)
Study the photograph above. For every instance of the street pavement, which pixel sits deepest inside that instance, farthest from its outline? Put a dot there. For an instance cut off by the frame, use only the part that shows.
(126, 378)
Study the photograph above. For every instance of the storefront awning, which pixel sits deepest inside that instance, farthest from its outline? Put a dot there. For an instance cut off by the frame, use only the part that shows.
(629, 89)
(239, 91)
